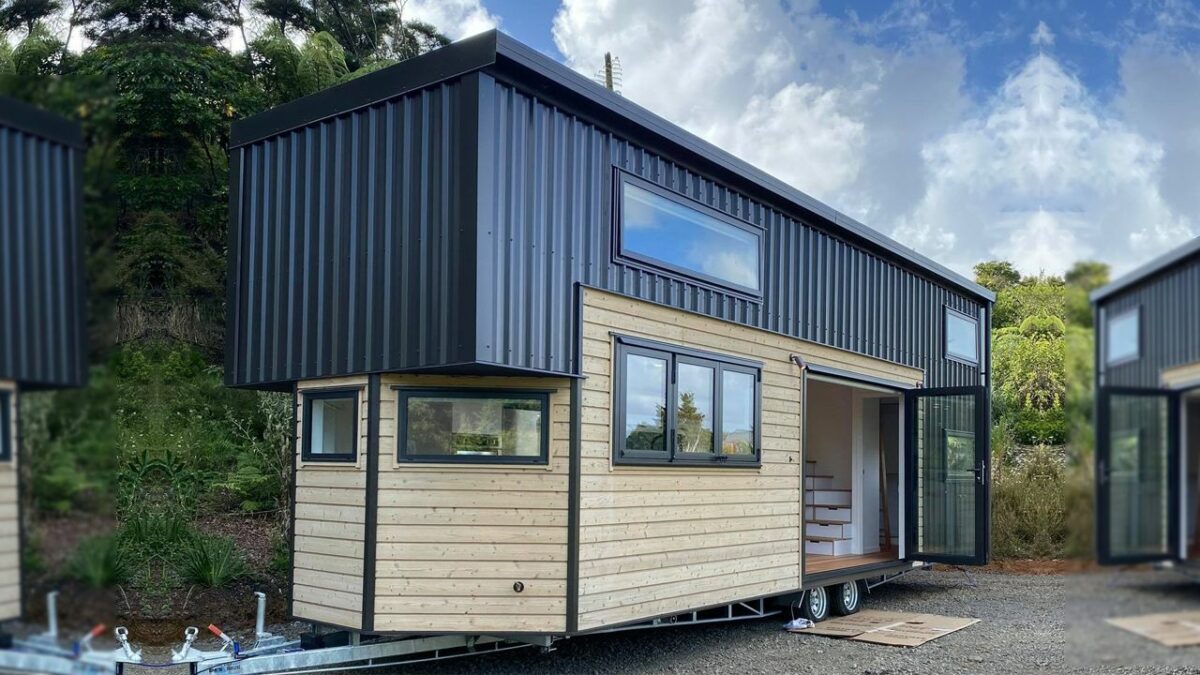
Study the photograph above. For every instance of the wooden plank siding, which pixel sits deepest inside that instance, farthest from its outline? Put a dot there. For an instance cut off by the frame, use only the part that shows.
(454, 538)
(659, 540)
(327, 567)
(10, 517)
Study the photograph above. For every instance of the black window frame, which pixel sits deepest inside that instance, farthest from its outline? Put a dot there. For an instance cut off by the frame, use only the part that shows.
(673, 355)
(948, 312)
(1136, 312)
(641, 260)
(6, 425)
(306, 453)
(403, 394)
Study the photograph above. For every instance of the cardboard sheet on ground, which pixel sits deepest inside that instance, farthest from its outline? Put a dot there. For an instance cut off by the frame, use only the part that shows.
(898, 629)
(1174, 629)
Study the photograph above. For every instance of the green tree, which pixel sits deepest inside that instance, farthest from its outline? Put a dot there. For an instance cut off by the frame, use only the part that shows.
(1084, 277)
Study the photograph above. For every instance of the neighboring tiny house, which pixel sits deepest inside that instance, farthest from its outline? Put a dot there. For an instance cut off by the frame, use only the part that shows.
(560, 366)
(42, 331)
(1148, 412)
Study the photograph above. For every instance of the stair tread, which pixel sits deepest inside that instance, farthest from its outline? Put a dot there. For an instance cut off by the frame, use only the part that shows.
(814, 537)
(830, 506)
(818, 475)
(829, 522)
(829, 489)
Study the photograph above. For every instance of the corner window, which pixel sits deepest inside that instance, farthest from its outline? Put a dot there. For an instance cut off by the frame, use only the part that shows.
(6, 426)
(680, 406)
(665, 230)
(962, 337)
(330, 426)
(1123, 337)
(483, 427)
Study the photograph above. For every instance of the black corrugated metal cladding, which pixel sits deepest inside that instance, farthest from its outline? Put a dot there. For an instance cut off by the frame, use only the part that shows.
(1170, 318)
(355, 238)
(546, 211)
(42, 330)
(449, 226)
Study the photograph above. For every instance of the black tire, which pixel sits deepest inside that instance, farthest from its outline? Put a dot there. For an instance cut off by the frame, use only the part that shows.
(845, 599)
(814, 605)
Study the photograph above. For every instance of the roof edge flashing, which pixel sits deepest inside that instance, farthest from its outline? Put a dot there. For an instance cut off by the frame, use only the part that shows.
(446, 63)
(37, 122)
(1143, 272)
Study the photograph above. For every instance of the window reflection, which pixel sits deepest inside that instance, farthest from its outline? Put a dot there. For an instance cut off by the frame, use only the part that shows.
(680, 236)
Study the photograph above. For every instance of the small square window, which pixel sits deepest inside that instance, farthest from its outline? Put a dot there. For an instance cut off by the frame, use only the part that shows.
(6, 426)
(962, 337)
(1124, 340)
(330, 426)
(480, 427)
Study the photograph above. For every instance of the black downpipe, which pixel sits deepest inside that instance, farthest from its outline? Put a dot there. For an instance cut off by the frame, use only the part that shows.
(574, 471)
(372, 509)
(291, 533)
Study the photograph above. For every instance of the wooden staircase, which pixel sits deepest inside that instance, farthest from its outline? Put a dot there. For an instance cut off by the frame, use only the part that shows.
(828, 518)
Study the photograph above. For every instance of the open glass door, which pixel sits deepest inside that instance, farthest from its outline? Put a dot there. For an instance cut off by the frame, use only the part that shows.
(947, 475)
(1137, 480)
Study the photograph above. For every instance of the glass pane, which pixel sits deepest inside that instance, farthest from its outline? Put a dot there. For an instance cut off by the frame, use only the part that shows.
(962, 339)
(694, 409)
(332, 426)
(684, 237)
(645, 402)
(946, 485)
(1138, 487)
(469, 426)
(737, 413)
(1123, 337)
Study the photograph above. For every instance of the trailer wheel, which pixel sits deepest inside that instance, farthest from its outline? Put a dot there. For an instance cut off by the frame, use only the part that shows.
(847, 598)
(814, 606)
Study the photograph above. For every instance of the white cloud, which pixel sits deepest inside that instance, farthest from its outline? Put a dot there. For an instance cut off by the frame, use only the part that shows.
(1043, 175)
(456, 18)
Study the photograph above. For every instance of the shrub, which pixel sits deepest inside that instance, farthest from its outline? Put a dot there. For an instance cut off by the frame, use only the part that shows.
(212, 561)
(99, 562)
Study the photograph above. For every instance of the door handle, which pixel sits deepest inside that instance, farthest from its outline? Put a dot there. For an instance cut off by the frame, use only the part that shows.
(1102, 472)
(980, 471)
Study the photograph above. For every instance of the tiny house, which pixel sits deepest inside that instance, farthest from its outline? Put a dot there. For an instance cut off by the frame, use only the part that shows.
(1147, 365)
(560, 366)
(42, 329)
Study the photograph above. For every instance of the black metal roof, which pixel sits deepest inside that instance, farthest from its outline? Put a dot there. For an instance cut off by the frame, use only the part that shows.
(499, 53)
(1154, 267)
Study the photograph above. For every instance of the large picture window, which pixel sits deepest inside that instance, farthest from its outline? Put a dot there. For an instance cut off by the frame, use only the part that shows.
(668, 231)
(680, 406)
(330, 426)
(489, 427)
(1124, 337)
(962, 337)
(6, 426)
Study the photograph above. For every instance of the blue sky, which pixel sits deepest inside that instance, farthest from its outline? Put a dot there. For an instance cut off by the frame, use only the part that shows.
(1040, 132)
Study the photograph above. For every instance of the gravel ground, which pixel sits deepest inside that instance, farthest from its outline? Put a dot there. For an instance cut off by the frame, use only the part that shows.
(1029, 623)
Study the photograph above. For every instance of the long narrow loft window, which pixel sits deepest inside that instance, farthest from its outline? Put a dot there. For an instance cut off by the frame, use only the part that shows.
(962, 337)
(330, 426)
(471, 426)
(668, 231)
(680, 406)
(7, 429)
(1124, 337)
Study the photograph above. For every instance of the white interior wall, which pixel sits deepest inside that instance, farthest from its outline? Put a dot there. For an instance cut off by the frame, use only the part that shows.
(829, 438)
(866, 487)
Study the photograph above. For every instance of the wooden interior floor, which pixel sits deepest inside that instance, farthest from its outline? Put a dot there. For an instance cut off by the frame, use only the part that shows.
(815, 564)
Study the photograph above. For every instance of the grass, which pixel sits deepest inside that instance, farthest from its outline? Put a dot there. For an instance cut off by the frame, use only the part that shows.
(99, 562)
(212, 561)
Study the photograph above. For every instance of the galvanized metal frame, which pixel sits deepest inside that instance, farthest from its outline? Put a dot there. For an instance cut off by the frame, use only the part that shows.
(403, 393)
